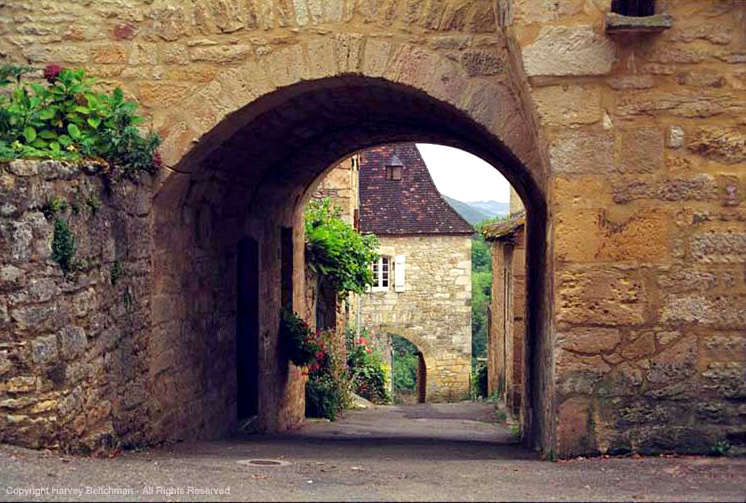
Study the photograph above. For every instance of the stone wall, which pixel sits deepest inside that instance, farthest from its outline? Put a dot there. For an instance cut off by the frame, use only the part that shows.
(340, 184)
(646, 141)
(434, 310)
(74, 346)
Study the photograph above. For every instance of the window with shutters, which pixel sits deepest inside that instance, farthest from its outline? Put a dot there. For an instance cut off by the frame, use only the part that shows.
(381, 274)
(399, 273)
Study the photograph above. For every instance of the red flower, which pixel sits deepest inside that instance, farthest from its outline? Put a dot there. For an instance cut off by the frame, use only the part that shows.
(51, 72)
(157, 160)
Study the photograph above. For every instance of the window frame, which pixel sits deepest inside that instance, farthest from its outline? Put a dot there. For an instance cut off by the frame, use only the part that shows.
(392, 172)
(378, 268)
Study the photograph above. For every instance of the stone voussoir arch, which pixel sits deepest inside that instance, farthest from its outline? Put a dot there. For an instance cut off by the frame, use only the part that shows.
(222, 106)
(235, 163)
(429, 354)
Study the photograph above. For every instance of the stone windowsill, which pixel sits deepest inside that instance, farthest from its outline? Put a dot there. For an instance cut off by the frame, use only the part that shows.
(616, 23)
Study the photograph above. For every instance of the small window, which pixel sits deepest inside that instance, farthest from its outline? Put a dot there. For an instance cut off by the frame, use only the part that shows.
(381, 274)
(633, 8)
(393, 173)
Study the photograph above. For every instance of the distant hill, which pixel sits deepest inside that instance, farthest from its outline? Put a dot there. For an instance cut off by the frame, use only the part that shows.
(476, 212)
(494, 208)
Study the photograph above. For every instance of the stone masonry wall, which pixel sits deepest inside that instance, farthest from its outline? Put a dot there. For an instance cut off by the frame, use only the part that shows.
(341, 185)
(647, 144)
(433, 311)
(73, 346)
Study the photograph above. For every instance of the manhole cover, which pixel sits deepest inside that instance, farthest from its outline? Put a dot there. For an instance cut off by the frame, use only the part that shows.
(263, 462)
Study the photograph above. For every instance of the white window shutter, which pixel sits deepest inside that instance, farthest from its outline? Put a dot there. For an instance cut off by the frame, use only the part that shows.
(399, 273)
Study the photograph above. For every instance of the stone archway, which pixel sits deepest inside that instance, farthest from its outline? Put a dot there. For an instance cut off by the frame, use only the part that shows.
(254, 100)
(642, 199)
(250, 173)
(429, 362)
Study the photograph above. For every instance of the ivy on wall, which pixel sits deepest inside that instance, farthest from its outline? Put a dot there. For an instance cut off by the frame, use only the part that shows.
(335, 250)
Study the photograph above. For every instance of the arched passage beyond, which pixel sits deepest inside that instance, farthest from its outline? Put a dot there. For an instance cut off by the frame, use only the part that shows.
(246, 178)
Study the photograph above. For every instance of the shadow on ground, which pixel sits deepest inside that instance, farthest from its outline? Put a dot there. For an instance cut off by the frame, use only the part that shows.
(448, 452)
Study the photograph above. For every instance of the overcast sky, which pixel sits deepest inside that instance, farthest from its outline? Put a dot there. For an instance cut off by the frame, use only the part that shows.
(464, 176)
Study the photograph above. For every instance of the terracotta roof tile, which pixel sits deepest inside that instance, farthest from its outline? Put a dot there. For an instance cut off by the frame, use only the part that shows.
(411, 205)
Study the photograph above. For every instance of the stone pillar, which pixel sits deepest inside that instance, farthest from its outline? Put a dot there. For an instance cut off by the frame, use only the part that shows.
(516, 204)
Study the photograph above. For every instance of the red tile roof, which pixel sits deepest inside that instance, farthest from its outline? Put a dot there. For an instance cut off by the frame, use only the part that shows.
(411, 205)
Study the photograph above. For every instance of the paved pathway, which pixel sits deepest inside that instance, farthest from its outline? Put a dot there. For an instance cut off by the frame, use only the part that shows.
(422, 452)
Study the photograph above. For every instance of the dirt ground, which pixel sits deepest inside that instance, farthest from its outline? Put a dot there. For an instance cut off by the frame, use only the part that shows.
(444, 452)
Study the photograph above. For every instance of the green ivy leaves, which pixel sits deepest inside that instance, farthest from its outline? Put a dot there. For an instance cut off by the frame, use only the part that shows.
(29, 134)
(337, 251)
(67, 119)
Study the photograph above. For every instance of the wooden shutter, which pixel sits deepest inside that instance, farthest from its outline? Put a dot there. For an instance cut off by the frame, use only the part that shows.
(399, 273)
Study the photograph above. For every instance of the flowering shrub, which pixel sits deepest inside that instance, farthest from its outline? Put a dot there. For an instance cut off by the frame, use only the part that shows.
(297, 340)
(66, 119)
(367, 369)
(328, 389)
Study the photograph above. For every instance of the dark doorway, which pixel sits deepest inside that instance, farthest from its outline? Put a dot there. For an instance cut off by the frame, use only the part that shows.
(247, 330)
(286, 264)
(421, 379)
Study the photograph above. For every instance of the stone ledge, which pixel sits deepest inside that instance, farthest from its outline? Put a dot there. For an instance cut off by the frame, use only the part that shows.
(617, 23)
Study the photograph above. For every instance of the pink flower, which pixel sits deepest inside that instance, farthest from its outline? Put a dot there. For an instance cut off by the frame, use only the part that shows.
(157, 160)
(51, 72)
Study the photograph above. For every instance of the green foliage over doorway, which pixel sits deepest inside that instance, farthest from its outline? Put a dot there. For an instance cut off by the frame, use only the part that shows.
(481, 290)
(336, 251)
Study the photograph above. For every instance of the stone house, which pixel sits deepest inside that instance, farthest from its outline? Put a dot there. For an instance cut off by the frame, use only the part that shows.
(422, 289)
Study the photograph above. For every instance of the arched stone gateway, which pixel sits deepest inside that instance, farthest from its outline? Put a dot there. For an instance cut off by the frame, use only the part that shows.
(247, 146)
(427, 370)
(250, 173)
(627, 152)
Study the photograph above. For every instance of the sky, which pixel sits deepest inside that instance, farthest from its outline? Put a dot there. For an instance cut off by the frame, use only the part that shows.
(464, 176)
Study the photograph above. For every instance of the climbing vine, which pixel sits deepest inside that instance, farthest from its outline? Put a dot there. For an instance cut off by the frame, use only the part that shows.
(298, 341)
(335, 250)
